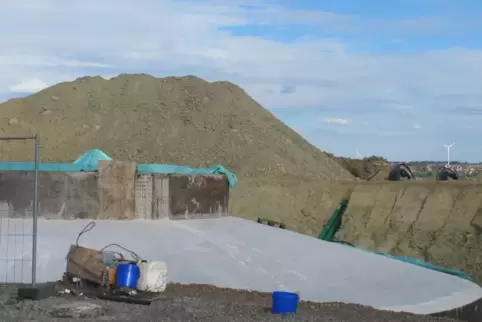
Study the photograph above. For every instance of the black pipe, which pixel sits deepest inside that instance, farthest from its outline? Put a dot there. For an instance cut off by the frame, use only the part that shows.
(446, 173)
(401, 170)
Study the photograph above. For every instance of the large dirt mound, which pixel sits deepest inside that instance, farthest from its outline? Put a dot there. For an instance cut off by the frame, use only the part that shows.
(178, 120)
(440, 222)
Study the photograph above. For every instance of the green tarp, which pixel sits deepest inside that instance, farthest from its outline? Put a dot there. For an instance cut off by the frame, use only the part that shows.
(88, 162)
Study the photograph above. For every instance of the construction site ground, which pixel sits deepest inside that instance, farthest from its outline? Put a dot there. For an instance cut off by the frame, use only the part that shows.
(190, 303)
(282, 177)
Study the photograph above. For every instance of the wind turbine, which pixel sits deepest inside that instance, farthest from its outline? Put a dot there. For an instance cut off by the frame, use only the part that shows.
(448, 153)
(358, 155)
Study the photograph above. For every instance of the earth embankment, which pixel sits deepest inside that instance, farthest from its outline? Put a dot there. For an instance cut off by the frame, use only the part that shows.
(306, 205)
(440, 222)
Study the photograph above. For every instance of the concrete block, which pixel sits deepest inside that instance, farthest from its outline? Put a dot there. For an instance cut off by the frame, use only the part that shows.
(37, 292)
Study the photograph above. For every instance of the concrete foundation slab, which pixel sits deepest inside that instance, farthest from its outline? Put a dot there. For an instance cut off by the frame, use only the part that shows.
(236, 253)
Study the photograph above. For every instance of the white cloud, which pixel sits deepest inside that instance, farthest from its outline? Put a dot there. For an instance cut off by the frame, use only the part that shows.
(416, 126)
(50, 39)
(43, 61)
(338, 121)
(28, 86)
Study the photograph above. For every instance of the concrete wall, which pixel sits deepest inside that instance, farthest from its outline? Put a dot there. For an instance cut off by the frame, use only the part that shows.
(61, 195)
(161, 196)
(198, 196)
(114, 192)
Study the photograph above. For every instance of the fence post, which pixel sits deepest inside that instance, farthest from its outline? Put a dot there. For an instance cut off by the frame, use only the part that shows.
(35, 212)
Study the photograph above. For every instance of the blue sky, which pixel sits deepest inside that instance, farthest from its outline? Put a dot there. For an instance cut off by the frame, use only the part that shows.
(393, 78)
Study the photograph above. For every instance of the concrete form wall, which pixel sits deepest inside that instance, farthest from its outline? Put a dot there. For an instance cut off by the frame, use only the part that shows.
(116, 189)
(61, 195)
(115, 192)
(181, 196)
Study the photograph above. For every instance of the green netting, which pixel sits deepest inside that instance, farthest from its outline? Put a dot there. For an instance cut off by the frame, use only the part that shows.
(329, 231)
(88, 162)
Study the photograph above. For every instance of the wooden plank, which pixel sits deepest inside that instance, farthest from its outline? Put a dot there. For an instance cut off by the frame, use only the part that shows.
(117, 189)
(165, 212)
(160, 200)
(85, 263)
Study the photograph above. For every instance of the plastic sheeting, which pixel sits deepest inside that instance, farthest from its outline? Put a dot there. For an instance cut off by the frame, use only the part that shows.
(47, 167)
(236, 253)
(91, 158)
(168, 168)
(88, 162)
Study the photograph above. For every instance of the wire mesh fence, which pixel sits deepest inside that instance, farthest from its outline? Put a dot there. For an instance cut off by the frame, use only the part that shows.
(18, 216)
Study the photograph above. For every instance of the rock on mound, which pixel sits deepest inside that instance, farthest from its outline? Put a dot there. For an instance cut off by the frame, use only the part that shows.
(179, 120)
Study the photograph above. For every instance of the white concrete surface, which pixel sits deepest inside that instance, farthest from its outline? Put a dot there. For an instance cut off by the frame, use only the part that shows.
(236, 253)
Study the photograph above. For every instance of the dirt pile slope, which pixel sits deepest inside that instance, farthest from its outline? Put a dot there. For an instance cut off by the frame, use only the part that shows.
(363, 168)
(440, 222)
(478, 178)
(380, 175)
(178, 120)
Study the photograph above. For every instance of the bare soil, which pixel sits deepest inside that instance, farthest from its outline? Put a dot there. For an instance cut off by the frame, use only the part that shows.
(198, 303)
(365, 168)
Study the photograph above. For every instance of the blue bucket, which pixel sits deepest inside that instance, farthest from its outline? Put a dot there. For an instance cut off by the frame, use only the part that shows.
(284, 302)
(127, 275)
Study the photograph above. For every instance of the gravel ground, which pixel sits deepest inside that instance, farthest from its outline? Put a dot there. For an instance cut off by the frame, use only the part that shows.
(191, 303)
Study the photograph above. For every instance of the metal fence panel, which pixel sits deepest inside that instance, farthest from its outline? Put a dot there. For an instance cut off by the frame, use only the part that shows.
(18, 225)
